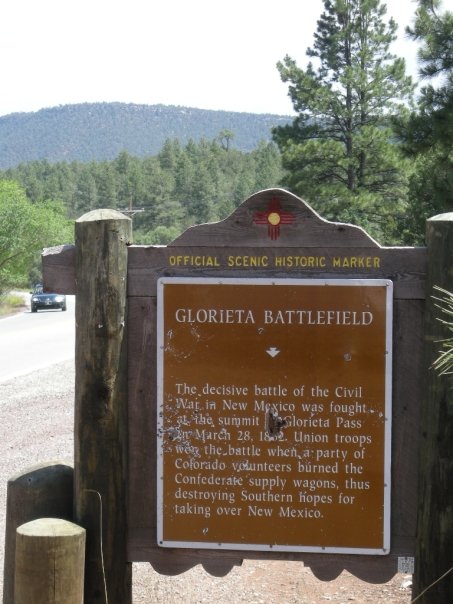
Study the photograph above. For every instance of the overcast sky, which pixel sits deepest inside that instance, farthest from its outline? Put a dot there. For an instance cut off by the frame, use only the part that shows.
(194, 53)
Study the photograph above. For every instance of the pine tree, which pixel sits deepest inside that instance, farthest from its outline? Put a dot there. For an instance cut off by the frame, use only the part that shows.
(338, 152)
(428, 132)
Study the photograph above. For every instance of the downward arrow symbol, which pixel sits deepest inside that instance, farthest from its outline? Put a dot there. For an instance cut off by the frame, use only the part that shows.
(273, 352)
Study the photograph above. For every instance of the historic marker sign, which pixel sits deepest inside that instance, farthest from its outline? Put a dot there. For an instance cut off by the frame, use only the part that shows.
(274, 414)
(281, 387)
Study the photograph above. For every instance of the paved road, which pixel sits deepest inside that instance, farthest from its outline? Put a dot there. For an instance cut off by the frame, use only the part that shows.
(31, 341)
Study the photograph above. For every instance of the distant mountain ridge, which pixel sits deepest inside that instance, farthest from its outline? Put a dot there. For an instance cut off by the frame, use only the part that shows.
(100, 131)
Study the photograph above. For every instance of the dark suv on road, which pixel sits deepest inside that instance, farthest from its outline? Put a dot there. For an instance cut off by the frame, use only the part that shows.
(40, 300)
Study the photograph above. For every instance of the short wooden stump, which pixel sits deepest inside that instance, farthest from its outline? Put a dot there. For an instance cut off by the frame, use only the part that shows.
(50, 560)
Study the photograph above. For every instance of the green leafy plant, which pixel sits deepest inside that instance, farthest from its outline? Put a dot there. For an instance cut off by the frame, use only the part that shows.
(444, 302)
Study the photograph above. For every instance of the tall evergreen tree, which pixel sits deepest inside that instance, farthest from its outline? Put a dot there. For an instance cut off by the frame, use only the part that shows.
(268, 166)
(338, 152)
(428, 131)
(86, 194)
(169, 154)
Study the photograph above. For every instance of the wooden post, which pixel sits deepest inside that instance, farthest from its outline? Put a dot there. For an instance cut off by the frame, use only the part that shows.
(50, 555)
(100, 467)
(43, 490)
(434, 550)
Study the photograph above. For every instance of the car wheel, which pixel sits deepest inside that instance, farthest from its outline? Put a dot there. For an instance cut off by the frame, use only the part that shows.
(33, 309)
(63, 307)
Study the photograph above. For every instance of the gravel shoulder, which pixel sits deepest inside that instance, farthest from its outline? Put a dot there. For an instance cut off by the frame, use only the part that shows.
(36, 425)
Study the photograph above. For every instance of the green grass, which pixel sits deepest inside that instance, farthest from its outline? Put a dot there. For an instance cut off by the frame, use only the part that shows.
(10, 304)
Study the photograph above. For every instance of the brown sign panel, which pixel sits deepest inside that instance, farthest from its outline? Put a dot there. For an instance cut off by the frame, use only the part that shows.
(274, 414)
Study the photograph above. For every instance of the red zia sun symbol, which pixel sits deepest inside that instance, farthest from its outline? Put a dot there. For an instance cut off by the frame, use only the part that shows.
(273, 217)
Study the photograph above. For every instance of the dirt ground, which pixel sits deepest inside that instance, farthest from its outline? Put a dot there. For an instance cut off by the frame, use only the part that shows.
(265, 583)
(36, 423)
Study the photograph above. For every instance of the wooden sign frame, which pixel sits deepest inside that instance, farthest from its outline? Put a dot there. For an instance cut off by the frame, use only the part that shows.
(273, 234)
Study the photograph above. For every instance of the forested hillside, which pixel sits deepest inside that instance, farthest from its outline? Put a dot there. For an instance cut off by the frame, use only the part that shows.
(179, 186)
(100, 131)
